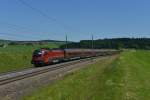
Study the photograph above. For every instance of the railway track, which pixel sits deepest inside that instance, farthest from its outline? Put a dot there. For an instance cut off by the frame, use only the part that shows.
(15, 76)
(26, 73)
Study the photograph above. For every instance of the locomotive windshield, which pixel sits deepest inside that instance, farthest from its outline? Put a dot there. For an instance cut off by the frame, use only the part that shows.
(37, 53)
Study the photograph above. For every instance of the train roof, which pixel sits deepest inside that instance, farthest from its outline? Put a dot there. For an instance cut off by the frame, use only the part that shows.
(75, 49)
(89, 50)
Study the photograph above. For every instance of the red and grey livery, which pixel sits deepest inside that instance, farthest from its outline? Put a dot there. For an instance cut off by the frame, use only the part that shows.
(48, 56)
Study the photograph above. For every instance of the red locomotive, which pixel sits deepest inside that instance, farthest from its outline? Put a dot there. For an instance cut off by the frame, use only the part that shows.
(48, 56)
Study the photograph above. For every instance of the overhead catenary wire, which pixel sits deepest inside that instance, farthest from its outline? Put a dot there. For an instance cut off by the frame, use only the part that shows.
(18, 35)
(15, 26)
(14, 35)
(50, 18)
(25, 31)
(66, 41)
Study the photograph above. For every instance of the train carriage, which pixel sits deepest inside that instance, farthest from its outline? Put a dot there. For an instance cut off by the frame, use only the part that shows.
(47, 56)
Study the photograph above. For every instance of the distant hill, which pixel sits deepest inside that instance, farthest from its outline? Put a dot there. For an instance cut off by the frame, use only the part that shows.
(114, 43)
(5, 41)
(12, 42)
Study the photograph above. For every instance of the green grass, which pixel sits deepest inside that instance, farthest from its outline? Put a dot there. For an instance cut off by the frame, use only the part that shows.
(16, 57)
(124, 78)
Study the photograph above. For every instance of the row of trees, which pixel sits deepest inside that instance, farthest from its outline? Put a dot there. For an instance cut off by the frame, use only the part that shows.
(115, 43)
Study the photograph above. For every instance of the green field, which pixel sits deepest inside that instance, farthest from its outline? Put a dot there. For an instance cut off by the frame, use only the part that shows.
(16, 57)
(126, 77)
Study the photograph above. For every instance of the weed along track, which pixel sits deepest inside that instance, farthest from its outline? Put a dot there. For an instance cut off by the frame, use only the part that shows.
(14, 85)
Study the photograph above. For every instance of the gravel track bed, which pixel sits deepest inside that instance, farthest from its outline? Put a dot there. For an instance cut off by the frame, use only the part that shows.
(15, 90)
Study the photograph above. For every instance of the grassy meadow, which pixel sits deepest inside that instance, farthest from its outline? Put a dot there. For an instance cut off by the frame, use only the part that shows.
(125, 77)
(16, 57)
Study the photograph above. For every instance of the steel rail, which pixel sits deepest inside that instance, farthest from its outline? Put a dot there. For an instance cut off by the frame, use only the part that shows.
(40, 71)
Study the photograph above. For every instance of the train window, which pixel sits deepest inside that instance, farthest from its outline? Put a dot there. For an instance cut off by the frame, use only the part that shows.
(37, 53)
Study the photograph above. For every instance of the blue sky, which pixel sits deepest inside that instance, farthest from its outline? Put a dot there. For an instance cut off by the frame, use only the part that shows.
(76, 18)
